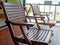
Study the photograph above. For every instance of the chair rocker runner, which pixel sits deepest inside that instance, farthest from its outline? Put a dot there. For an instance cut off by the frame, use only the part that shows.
(15, 16)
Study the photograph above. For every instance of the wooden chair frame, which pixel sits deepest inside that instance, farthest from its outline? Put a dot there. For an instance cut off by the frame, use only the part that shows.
(39, 14)
(26, 38)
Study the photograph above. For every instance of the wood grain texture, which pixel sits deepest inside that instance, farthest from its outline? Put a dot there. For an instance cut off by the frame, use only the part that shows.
(15, 15)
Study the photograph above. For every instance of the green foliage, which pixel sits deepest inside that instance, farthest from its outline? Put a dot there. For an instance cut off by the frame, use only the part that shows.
(28, 8)
(14, 1)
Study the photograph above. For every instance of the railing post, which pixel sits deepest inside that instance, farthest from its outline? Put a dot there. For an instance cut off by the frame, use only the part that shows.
(23, 2)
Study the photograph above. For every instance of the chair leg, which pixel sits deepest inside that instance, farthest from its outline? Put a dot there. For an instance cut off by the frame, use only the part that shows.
(16, 43)
(49, 41)
(52, 34)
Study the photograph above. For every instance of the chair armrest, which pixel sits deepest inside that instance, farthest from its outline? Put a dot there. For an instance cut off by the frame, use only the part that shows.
(46, 12)
(34, 17)
(20, 24)
(50, 24)
(44, 15)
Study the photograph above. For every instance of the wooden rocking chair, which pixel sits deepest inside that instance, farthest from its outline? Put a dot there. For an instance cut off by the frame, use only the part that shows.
(15, 15)
(36, 12)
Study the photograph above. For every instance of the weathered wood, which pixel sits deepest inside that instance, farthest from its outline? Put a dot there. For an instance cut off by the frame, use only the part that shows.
(36, 12)
(15, 16)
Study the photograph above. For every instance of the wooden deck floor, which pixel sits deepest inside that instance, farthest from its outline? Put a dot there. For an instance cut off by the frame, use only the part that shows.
(56, 38)
(5, 38)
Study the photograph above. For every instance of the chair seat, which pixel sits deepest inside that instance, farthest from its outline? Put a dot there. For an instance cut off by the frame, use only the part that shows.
(37, 36)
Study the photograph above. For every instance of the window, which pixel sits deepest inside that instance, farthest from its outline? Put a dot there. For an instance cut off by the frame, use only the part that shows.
(58, 13)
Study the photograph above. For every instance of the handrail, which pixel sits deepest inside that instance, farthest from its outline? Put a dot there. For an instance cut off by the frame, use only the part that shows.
(43, 4)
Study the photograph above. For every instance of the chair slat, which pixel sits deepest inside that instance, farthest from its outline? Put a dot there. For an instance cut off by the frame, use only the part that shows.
(48, 37)
(45, 35)
(36, 35)
(33, 34)
(42, 35)
(36, 10)
(15, 12)
(39, 34)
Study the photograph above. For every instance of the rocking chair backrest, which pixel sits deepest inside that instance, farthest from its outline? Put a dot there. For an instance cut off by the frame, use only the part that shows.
(14, 12)
(35, 9)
